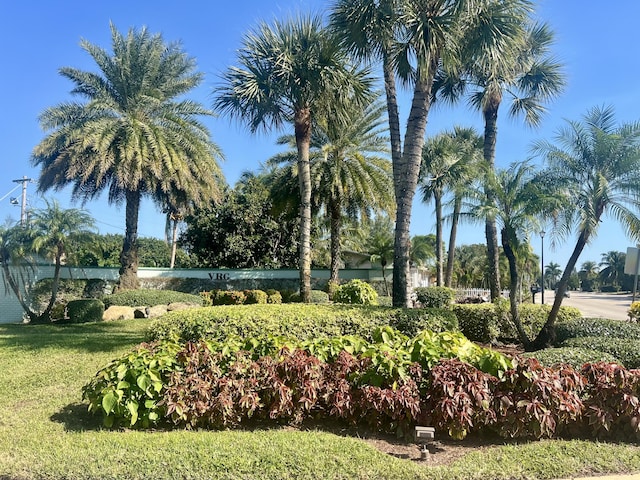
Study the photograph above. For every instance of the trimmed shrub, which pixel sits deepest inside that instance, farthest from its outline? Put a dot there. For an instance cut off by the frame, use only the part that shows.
(435, 297)
(487, 322)
(356, 292)
(293, 320)
(229, 297)
(634, 311)
(570, 355)
(319, 297)
(85, 310)
(623, 350)
(274, 296)
(138, 298)
(596, 327)
(254, 296)
(411, 321)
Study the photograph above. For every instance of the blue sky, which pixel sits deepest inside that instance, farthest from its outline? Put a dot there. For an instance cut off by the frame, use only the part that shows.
(598, 46)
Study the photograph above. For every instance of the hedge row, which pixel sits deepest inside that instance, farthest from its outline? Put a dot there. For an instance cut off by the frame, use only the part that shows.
(488, 322)
(574, 355)
(596, 327)
(300, 321)
(137, 298)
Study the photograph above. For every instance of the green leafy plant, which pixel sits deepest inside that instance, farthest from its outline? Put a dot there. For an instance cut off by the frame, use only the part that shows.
(596, 327)
(356, 292)
(85, 310)
(136, 298)
(254, 296)
(576, 356)
(618, 350)
(129, 389)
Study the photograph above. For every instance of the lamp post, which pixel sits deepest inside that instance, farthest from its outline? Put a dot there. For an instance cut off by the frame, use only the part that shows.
(542, 264)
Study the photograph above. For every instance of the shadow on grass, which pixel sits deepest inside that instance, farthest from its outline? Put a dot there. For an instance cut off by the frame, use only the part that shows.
(89, 337)
(76, 418)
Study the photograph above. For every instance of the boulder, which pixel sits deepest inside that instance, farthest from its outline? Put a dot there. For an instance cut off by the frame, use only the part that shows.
(118, 312)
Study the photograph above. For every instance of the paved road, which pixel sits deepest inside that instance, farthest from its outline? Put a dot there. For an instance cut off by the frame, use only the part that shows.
(591, 304)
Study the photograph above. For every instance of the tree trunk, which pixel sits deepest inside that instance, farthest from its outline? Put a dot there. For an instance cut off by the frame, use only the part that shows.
(514, 286)
(437, 197)
(129, 255)
(302, 123)
(13, 284)
(405, 179)
(490, 113)
(174, 243)
(457, 206)
(336, 220)
(547, 335)
(45, 316)
(392, 108)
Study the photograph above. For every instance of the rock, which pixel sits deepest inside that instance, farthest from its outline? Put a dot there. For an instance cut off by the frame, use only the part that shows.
(157, 311)
(181, 306)
(118, 312)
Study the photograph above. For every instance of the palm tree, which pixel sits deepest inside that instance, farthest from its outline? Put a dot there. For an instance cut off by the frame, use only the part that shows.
(131, 137)
(597, 164)
(518, 66)
(612, 271)
(350, 175)
(448, 162)
(380, 245)
(519, 199)
(291, 71)
(588, 275)
(48, 235)
(552, 272)
(412, 38)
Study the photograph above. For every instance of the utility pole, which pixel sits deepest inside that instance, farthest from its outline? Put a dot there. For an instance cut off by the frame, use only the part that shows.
(23, 206)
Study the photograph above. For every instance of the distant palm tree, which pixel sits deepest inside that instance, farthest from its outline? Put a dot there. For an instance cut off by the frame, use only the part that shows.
(552, 272)
(612, 268)
(48, 234)
(291, 71)
(132, 136)
(597, 165)
(350, 175)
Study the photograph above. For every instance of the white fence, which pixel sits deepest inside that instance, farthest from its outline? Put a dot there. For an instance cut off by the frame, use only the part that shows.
(477, 293)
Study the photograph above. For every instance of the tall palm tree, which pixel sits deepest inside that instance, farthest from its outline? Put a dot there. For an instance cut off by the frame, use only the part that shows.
(597, 164)
(132, 136)
(48, 235)
(519, 199)
(412, 38)
(448, 162)
(612, 268)
(519, 67)
(287, 71)
(350, 174)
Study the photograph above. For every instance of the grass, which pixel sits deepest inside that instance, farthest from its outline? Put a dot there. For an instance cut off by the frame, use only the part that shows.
(45, 431)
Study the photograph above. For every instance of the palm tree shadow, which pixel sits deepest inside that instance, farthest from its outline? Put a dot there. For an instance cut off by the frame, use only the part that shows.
(76, 418)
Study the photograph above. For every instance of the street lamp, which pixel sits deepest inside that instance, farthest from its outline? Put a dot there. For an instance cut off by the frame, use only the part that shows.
(542, 263)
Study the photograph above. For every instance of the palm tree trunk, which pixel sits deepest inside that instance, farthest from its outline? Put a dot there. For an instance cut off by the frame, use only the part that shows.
(457, 206)
(547, 335)
(405, 178)
(129, 255)
(392, 108)
(174, 243)
(490, 113)
(45, 316)
(336, 217)
(437, 196)
(514, 286)
(302, 123)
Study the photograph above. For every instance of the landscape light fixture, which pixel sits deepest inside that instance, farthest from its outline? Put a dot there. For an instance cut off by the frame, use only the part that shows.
(424, 436)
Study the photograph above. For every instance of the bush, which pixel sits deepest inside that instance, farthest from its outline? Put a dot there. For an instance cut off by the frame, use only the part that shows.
(533, 401)
(356, 292)
(570, 355)
(228, 297)
(634, 311)
(612, 403)
(411, 321)
(435, 297)
(274, 296)
(610, 288)
(487, 322)
(596, 327)
(293, 320)
(138, 298)
(623, 350)
(254, 296)
(85, 310)
(317, 297)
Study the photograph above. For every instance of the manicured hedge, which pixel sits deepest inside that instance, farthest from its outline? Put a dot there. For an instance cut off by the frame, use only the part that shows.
(487, 322)
(571, 355)
(299, 321)
(435, 297)
(626, 350)
(137, 298)
(85, 310)
(596, 327)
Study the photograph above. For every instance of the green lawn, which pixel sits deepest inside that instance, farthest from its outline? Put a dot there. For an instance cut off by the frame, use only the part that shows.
(45, 431)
